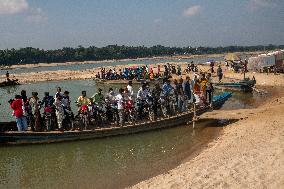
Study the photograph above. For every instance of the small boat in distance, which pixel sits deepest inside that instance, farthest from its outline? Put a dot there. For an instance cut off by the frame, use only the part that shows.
(28, 137)
(9, 83)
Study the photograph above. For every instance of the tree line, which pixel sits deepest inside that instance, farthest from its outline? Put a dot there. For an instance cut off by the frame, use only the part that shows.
(31, 55)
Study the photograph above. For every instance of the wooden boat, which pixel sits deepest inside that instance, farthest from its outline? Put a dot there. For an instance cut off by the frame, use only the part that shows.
(15, 137)
(243, 85)
(9, 83)
(124, 82)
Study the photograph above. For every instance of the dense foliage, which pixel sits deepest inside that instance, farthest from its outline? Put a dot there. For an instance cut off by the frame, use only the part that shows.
(31, 55)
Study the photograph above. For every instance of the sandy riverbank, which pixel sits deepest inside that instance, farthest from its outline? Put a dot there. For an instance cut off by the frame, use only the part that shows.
(249, 153)
(23, 66)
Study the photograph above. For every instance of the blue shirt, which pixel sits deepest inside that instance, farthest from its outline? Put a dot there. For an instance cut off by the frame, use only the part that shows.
(167, 88)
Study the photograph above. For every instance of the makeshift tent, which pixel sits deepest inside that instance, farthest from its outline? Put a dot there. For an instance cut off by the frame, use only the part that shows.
(232, 57)
(260, 62)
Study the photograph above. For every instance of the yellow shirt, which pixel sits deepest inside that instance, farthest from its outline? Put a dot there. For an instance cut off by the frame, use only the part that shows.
(83, 100)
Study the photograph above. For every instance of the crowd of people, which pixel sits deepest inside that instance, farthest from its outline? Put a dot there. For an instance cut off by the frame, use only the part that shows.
(145, 72)
(149, 102)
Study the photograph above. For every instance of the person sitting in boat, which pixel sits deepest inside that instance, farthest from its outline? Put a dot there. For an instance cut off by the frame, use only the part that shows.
(219, 73)
(98, 98)
(17, 106)
(83, 100)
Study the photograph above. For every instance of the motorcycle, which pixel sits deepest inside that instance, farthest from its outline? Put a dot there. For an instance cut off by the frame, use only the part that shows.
(111, 111)
(84, 116)
(149, 108)
(163, 105)
(98, 114)
(68, 121)
(49, 118)
(130, 111)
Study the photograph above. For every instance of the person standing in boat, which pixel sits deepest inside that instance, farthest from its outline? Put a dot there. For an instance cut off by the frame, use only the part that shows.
(17, 106)
(83, 100)
(8, 76)
(187, 88)
(180, 94)
(110, 103)
(98, 97)
(209, 88)
(141, 98)
(120, 106)
(35, 118)
(130, 88)
(58, 92)
(219, 73)
(156, 93)
(59, 111)
(25, 103)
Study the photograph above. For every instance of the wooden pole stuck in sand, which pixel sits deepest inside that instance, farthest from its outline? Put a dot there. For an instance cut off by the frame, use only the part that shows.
(194, 115)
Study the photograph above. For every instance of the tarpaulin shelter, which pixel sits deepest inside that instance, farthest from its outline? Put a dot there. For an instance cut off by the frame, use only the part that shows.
(232, 57)
(260, 62)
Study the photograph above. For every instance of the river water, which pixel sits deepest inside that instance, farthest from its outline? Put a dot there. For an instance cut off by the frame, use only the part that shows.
(114, 162)
(115, 63)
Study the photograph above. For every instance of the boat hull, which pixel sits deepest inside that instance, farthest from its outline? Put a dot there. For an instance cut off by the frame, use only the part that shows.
(55, 136)
(244, 86)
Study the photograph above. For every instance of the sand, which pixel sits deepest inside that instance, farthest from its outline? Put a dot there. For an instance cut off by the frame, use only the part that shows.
(249, 153)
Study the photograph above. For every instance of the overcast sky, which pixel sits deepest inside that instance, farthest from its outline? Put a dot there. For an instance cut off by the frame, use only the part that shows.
(51, 24)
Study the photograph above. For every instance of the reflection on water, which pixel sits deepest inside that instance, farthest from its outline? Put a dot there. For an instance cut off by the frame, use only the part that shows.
(103, 163)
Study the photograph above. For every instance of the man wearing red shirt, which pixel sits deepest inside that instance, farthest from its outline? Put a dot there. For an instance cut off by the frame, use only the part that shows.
(17, 106)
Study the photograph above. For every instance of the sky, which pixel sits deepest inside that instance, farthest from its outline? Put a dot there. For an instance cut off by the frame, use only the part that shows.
(52, 24)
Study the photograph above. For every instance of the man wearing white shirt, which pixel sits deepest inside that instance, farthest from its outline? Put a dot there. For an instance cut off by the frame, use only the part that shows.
(130, 88)
(119, 100)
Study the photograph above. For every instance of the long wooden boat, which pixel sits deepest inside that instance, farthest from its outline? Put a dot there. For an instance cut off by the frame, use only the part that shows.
(15, 137)
(9, 83)
(124, 82)
(243, 85)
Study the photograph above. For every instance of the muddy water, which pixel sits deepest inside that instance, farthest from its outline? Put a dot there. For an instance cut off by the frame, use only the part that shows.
(114, 162)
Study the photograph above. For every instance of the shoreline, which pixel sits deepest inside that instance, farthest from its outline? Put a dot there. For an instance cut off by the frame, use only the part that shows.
(247, 154)
(53, 64)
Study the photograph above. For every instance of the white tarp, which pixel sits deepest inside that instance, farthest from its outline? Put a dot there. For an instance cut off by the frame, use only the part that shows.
(261, 61)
